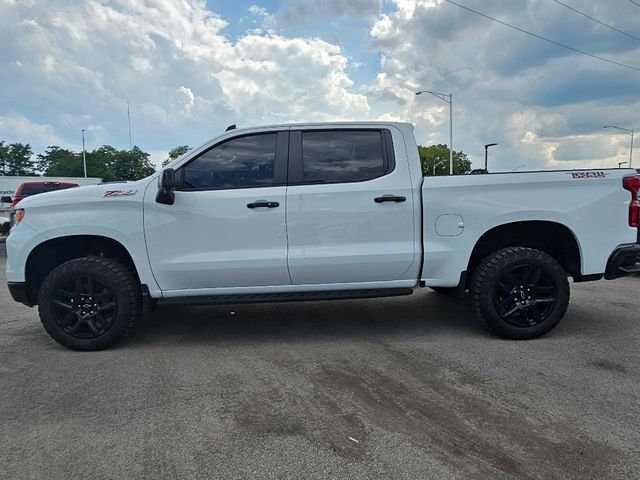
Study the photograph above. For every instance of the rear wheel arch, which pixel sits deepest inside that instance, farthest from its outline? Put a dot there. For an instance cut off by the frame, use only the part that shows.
(50, 254)
(553, 238)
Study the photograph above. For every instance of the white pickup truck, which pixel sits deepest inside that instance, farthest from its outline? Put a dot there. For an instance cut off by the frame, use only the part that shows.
(312, 212)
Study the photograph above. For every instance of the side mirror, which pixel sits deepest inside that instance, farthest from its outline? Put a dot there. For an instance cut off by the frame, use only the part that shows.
(166, 186)
(6, 199)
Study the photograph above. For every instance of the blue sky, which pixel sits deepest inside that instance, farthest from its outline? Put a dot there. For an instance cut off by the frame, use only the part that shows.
(189, 68)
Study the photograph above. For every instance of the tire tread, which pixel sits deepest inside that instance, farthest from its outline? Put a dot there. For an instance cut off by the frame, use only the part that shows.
(127, 280)
(495, 261)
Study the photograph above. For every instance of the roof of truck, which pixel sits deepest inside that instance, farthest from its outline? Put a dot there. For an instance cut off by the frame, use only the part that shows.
(322, 124)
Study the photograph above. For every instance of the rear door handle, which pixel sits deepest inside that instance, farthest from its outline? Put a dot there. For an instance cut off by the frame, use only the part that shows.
(263, 204)
(390, 198)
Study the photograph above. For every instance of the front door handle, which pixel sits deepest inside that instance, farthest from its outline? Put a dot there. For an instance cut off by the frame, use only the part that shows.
(263, 204)
(390, 198)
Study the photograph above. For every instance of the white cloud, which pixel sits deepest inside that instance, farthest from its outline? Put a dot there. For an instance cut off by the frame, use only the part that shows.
(187, 73)
(278, 78)
(141, 64)
(539, 102)
(175, 64)
(183, 100)
(18, 128)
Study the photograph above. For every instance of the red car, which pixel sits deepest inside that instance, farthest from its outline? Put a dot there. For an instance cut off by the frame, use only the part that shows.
(33, 188)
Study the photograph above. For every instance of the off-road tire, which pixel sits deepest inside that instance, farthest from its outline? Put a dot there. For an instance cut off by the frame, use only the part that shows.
(489, 281)
(124, 291)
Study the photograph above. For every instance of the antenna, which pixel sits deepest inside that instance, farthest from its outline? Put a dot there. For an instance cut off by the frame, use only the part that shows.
(129, 119)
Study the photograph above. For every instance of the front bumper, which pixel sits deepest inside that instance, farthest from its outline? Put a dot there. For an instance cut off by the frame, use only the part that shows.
(625, 260)
(18, 291)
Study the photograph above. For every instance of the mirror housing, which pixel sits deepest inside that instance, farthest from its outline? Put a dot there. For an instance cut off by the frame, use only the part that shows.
(6, 199)
(166, 187)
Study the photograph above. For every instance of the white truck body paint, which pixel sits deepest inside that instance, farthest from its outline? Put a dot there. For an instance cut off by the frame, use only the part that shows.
(595, 210)
(327, 236)
(338, 234)
(82, 211)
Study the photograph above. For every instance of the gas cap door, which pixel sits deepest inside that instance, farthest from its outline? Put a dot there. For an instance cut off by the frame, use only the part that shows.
(449, 225)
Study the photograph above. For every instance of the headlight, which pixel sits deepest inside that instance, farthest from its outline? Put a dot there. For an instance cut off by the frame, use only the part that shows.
(16, 216)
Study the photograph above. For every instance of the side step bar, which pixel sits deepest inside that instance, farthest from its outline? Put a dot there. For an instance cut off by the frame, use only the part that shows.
(287, 297)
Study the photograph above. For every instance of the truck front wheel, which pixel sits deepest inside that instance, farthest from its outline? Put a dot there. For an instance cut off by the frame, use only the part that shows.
(89, 303)
(520, 293)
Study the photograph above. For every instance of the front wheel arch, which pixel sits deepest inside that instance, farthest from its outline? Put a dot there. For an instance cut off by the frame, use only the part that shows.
(50, 254)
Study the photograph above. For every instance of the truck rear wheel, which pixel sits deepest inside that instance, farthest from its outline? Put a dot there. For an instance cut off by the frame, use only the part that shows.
(520, 293)
(89, 303)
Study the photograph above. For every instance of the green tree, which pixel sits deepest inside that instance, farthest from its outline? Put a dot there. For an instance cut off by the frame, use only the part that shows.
(15, 159)
(4, 155)
(54, 160)
(105, 162)
(131, 164)
(100, 161)
(175, 153)
(61, 162)
(438, 156)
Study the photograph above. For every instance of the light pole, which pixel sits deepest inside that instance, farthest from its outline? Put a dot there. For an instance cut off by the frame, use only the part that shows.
(435, 165)
(620, 164)
(129, 120)
(486, 148)
(84, 158)
(445, 97)
(628, 132)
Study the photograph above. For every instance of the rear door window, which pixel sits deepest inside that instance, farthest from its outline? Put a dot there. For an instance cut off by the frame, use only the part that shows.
(342, 156)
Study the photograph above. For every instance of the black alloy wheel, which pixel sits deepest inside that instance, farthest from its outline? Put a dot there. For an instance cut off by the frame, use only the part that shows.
(519, 292)
(90, 303)
(84, 307)
(525, 296)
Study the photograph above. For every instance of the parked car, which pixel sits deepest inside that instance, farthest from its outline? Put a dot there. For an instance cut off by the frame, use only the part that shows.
(4, 226)
(28, 189)
(314, 212)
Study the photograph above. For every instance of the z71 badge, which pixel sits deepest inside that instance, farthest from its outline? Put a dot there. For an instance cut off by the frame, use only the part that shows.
(119, 193)
(589, 174)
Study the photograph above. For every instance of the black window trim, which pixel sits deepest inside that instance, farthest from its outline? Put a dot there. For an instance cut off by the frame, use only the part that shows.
(279, 166)
(295, 172)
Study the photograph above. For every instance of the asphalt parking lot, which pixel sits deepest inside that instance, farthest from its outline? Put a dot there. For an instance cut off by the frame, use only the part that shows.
(275, 391)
